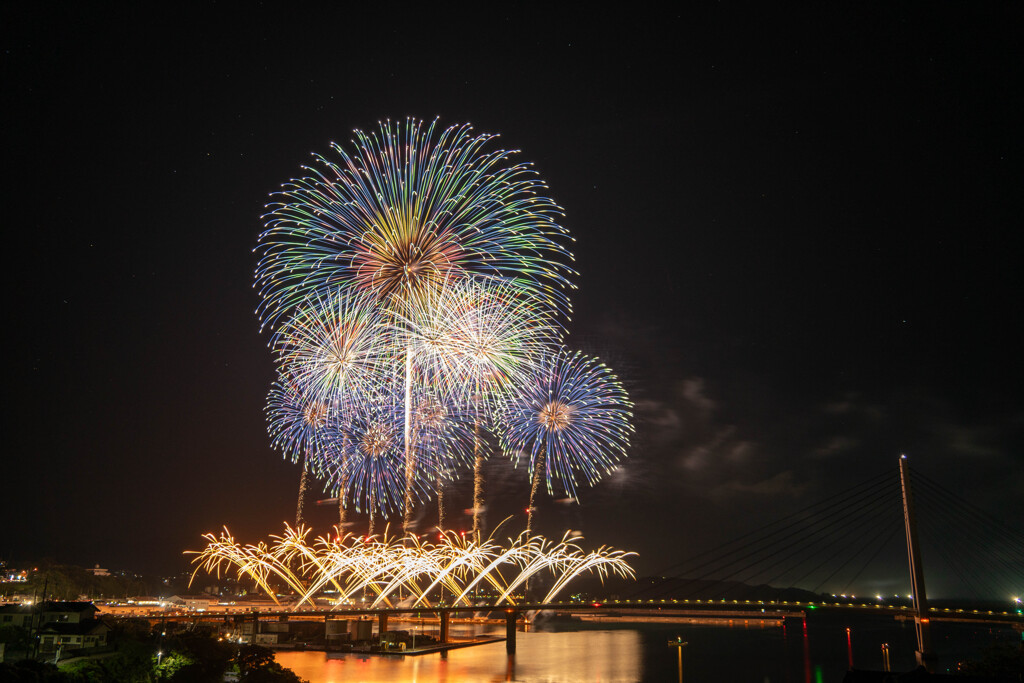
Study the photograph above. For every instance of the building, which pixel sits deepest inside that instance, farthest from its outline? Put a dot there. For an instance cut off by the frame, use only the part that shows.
(59, 625)
(31, 616)
(17, 615)
(85, 634)
(193, 603)
(68, 612)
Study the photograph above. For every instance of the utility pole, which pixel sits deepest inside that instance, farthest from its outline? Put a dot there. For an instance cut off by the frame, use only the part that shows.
(34, 621)
(925, 655)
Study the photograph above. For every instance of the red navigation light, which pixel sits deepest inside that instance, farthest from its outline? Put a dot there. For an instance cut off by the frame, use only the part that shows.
(595, 604)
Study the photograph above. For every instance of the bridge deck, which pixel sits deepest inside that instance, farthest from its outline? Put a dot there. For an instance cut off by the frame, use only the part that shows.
(723, 609)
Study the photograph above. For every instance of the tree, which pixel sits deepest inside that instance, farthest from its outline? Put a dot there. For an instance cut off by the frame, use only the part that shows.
(256, 665)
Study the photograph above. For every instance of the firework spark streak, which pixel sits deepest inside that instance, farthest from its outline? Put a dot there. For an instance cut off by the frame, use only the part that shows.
(476, 338)
(388, 567)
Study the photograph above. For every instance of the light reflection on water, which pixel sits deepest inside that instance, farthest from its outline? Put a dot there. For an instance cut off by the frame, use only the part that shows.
(576, 656)
(817, 651)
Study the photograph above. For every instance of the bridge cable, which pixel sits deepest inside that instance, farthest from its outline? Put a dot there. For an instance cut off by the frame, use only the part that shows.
(879, 510)
(851, 493)
(806, 532)
(871, 559)
(783, 533)
(962, 536)
(853, 549)
(1012, 535)
(997, 546)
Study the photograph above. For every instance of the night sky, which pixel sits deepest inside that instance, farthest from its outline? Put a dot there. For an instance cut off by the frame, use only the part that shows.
(794, 233)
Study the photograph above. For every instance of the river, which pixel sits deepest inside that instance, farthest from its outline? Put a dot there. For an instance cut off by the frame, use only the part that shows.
(627, 652)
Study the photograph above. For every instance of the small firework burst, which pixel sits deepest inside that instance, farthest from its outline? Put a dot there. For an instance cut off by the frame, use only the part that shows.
(475, 337)
(369, 456)
(573, 418)
(297, 423)
(336, 350)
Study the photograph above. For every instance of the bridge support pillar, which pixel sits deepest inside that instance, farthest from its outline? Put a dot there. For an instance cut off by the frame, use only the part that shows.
(445, 617)
(511, 616)
(925, 654)
(382, 624)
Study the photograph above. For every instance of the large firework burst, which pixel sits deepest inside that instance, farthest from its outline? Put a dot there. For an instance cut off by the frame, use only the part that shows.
(572, 420)
(406, 209)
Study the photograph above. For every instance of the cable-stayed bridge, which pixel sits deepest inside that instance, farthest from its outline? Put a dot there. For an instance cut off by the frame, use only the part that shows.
(836, 541)
(839, 541)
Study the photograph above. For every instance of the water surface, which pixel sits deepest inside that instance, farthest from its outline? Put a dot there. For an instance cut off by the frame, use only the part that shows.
(629, 652)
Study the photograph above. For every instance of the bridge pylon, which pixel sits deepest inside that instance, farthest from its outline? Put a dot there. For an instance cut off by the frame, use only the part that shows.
(925, 654)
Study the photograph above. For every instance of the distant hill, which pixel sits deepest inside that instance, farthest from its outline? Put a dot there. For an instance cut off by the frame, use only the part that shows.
(656, 587)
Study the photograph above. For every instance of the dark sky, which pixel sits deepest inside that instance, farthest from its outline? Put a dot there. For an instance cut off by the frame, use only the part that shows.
(794, 238)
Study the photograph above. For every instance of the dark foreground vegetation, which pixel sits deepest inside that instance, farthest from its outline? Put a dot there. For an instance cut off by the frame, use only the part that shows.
(140, 654)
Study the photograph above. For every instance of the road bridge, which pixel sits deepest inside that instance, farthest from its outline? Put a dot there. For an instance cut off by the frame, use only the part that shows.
(664, 609)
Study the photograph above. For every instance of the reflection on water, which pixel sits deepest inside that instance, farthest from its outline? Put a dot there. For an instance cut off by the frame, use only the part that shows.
(583, 656)
(800, 652)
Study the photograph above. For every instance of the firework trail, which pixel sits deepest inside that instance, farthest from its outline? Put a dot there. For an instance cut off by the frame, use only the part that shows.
(442, 432)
